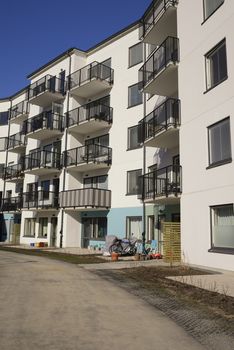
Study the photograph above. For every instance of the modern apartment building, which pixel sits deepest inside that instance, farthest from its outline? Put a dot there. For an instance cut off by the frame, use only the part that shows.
(129, 134)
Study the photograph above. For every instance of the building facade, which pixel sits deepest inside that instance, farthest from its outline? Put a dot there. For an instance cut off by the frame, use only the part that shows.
(129, 134)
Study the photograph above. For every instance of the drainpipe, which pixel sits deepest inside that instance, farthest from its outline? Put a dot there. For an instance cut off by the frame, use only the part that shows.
(144, 168)
(64, 169)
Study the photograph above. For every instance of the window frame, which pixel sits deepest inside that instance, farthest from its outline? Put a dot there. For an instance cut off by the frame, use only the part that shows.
(45, 236)
(131, 47)
(204, 10)
(213, 248)
(223, 161)
(129, 148)
(136, 104)
(34, 224)
(207, 66)
(128, 221)
(127, 192)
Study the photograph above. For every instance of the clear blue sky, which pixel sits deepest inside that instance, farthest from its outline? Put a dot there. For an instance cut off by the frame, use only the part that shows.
(32, 32)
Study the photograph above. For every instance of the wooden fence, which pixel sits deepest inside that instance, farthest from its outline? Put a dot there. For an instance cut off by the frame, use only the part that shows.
(171, 242)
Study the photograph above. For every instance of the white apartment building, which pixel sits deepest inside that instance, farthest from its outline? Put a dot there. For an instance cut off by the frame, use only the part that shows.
(129, 134)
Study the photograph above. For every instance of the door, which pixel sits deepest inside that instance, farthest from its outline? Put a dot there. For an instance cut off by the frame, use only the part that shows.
(53, 235)
(161, 220)
(150, 228)
(87, 231)
(56, 192)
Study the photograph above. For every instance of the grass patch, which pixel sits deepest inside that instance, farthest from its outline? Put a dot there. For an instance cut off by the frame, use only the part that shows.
(69, 258)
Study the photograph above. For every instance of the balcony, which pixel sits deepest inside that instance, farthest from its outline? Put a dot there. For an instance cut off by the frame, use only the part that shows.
(13, 173)
(46, 90)
(92, 117)
(87, 158)
(85, 199)
(160, 127)
(159, 74)
(17, 143)
(45, 125)
(19, 113)
(162, 186)
(159, 21)
(91, 80)
(40, 200)
(11, 204)
(43, 163)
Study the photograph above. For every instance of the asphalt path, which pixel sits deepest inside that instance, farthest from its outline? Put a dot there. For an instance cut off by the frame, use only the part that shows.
(47, 304)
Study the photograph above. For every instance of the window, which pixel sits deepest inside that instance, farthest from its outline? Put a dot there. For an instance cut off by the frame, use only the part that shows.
(45, 189)
(135, 55)
(96, 182)
(133, 181)
(29, 227)
(222, 226)
(210, 6)
(219, 142)
(134, 95)
(134, 227)
(43, 227)
(100, 140)
(4, 118)
(216, 65)
(133, 137)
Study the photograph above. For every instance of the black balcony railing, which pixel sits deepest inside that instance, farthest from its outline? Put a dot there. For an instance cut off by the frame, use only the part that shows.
(47, 83)
(19, 109)
(88, 154)
(43, 159)
(153, 14)
(45, 120)
(17, 140)
(90, 72)
(96, 110)
(166, 53)
(85, 197)
(161, 183)
(40, 200)
(11, 203)
(166, 115)
(14, 171)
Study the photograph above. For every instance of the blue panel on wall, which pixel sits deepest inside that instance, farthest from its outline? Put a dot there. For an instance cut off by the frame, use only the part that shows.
(117, 220)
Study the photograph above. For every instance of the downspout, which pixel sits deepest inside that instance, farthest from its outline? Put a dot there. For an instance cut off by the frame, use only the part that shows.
(144, 167)
(64, 169)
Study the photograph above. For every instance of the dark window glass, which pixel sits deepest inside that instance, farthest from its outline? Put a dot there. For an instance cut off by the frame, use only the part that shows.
(216, 64)
(219, 142)
(133, 181)
(134, 95)
(4, 118)
(222, 218)
(210, 6)
(133, 137)
(135, 54)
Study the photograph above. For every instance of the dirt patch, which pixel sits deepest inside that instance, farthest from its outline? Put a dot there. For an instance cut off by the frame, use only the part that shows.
(69, 258)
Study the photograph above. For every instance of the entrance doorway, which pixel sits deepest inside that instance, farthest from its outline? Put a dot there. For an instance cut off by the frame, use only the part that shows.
(93, 228)
(161, 220)
(150, 227)
(53, 235)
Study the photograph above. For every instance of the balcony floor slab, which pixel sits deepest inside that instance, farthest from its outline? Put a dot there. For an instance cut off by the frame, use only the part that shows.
(91, 88)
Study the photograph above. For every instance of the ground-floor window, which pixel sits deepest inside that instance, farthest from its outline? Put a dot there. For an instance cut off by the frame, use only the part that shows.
(222, 230)
(134, 226)
(29, 227)
(43, 227)
(95, 228)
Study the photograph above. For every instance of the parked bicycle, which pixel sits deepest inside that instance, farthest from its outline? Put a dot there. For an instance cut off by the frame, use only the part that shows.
(124, 246)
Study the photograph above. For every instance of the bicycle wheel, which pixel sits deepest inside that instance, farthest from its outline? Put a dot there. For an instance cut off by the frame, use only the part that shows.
(115, 248)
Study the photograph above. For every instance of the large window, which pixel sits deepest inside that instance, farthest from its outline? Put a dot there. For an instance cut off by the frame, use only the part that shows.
(216, 65)
(135, 54)
(29, 227)
(133, 181)
(222, 218)
(134, 95)
(219, 143)
(133, 137)
(43, 227)
(96, 182)
(210, 6)
(134, 227)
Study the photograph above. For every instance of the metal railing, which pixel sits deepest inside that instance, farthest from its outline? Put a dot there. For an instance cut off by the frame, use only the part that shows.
(19, 109)
(40, 199)
(16, 140)
(43, 159)
(45, 120)
(86, 154)
(85, 197)
(14, 171)
(95, 110)
(11, 203)
(165, 115)
(167, 52)
(162, 182)
(153, 14)
(47, 83)
(92, 71)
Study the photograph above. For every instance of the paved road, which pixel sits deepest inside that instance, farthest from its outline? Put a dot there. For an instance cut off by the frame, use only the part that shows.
(47, 304)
